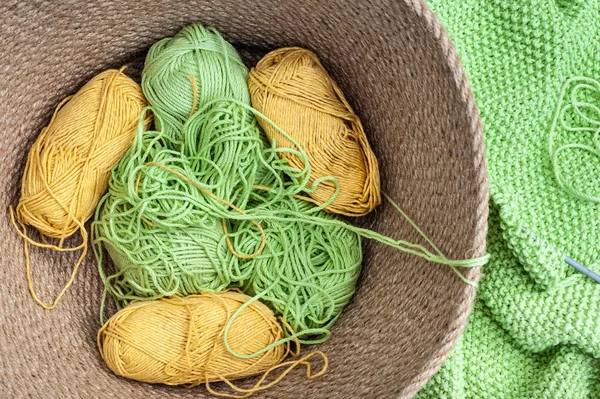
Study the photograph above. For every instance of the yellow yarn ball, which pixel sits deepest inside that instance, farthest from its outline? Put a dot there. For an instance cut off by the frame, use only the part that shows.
(69, 164)
(291, 87)
(180, 340)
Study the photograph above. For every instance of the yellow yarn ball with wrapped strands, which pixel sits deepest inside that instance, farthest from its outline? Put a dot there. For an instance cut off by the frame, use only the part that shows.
(291, 87)
(188, 341)
(69, 164)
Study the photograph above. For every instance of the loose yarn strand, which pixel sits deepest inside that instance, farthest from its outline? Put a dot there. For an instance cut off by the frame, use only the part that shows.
(258, 386)
(401, 245)
(292, 337)
(429, 241)
(290, 365)
(22, 231)
(195, 89)
(577, 84)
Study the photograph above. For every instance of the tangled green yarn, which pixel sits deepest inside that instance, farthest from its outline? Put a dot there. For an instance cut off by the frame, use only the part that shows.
(306, 273)
(203, 201)
(158, 244)
(163, 234)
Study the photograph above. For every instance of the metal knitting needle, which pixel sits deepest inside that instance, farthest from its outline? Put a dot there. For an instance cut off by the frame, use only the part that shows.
(582, 269)
(570, 261)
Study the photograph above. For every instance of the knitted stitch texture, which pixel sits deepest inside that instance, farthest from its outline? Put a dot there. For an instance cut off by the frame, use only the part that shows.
(522, 343)
(518, 55)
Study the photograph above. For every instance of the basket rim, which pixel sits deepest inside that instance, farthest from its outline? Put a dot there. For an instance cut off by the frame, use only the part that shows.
(465, 306)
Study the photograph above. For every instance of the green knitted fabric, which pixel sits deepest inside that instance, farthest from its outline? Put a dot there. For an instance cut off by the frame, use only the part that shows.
(529, 63)
(533, 66)
(523, 343)
(486, 364)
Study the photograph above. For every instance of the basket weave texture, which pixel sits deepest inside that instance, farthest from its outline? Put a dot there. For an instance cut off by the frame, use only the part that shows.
(399, 70)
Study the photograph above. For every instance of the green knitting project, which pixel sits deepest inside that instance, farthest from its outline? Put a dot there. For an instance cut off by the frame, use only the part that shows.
(523, 343)
(533, 66)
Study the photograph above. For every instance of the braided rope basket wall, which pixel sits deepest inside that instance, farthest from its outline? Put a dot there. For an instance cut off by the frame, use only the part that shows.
(399, 70)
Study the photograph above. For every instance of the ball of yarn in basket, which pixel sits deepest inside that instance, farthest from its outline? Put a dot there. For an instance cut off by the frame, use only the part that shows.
(199, 56)
(152, 263)
(69, 165)
(291, 87)
(179, 340)
(308, 270)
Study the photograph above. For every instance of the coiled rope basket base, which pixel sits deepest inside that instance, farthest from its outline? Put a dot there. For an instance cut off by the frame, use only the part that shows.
(401, 74)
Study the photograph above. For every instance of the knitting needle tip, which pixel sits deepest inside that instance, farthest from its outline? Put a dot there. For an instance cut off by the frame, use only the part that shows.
(582, 269)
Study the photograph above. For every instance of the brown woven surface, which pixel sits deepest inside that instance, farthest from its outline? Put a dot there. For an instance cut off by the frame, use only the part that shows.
(401, 74)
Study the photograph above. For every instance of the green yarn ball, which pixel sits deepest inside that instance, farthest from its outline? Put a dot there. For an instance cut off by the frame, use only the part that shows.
(307, 272)
(153, 263)
(202, 53)
(160, 231)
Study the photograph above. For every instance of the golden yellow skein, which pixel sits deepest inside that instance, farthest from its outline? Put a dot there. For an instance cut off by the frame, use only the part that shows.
(180, 341)
(69, 164)
(291, 87)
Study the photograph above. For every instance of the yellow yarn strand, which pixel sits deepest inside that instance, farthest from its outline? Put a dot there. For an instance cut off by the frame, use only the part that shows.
(180, 341)
(69, 165)
(291, 88)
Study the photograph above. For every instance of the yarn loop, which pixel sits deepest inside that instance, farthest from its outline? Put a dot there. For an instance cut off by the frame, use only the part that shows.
(574, 140)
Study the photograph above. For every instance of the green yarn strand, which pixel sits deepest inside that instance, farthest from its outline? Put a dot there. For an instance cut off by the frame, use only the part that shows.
(577, 118)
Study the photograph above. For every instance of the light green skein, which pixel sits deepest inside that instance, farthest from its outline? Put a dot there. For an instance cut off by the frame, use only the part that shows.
(158, 244)
(306, 273)
(195, 51)
(154, 263)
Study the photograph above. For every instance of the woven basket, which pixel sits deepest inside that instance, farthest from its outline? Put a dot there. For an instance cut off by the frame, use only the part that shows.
(402, 76)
